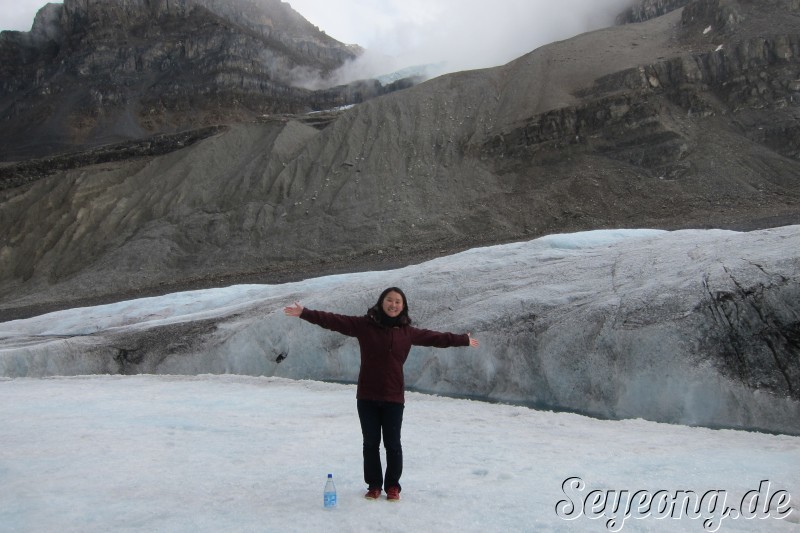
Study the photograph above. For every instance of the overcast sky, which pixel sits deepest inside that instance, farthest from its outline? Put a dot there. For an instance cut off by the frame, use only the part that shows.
(465, 33)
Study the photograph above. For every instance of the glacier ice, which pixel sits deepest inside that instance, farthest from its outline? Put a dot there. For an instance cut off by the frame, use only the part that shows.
(694, 326)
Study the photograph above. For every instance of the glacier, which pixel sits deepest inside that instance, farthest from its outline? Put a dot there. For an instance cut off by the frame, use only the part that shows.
(695, 327)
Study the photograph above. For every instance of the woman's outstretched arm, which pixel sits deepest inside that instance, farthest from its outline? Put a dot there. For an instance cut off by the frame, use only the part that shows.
(441, 339)
(346, 325)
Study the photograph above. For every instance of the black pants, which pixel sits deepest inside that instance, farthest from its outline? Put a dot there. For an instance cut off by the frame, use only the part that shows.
(385, 417)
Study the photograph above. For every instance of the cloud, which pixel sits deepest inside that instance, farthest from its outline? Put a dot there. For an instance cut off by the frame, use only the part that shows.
(18, 14)
(459, 34)
(452, 34)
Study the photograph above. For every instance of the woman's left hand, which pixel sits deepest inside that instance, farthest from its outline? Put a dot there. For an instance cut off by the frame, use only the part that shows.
(293, 310)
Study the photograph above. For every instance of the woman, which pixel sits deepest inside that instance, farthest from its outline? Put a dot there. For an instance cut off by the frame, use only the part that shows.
(385, 336)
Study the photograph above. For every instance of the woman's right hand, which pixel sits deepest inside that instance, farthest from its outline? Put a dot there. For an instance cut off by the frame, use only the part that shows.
(473, 342)
(293, 310)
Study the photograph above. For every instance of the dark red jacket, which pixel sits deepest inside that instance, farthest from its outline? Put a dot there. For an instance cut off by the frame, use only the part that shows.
(383, 350)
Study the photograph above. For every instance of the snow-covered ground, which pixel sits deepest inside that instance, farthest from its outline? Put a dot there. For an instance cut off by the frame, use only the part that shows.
(606, 319)
(234, 453)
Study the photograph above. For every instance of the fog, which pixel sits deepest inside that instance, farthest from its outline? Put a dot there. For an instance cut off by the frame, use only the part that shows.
(445, 35)
(17, 15)
(457, 35)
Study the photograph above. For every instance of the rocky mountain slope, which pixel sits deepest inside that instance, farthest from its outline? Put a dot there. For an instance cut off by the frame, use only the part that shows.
(688, 119)
(92, 72)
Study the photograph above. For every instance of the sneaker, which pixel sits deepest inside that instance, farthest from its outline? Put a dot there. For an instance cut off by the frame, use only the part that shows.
(373, 494)
(393, 494)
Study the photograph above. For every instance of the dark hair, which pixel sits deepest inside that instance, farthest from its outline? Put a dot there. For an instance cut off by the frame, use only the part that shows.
(376, 311)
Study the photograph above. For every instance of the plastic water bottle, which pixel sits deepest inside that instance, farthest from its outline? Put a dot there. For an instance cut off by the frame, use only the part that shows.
(329, 496)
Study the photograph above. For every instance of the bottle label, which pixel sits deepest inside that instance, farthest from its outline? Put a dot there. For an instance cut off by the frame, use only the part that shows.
(330, 500)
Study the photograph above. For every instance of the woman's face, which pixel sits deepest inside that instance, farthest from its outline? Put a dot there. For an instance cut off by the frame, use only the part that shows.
(392, 304)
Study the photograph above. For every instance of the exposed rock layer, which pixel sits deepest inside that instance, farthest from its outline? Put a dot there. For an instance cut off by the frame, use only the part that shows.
(92, 71)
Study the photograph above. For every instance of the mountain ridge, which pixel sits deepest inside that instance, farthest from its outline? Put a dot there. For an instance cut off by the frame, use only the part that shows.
(652, 124)
(91, 72)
